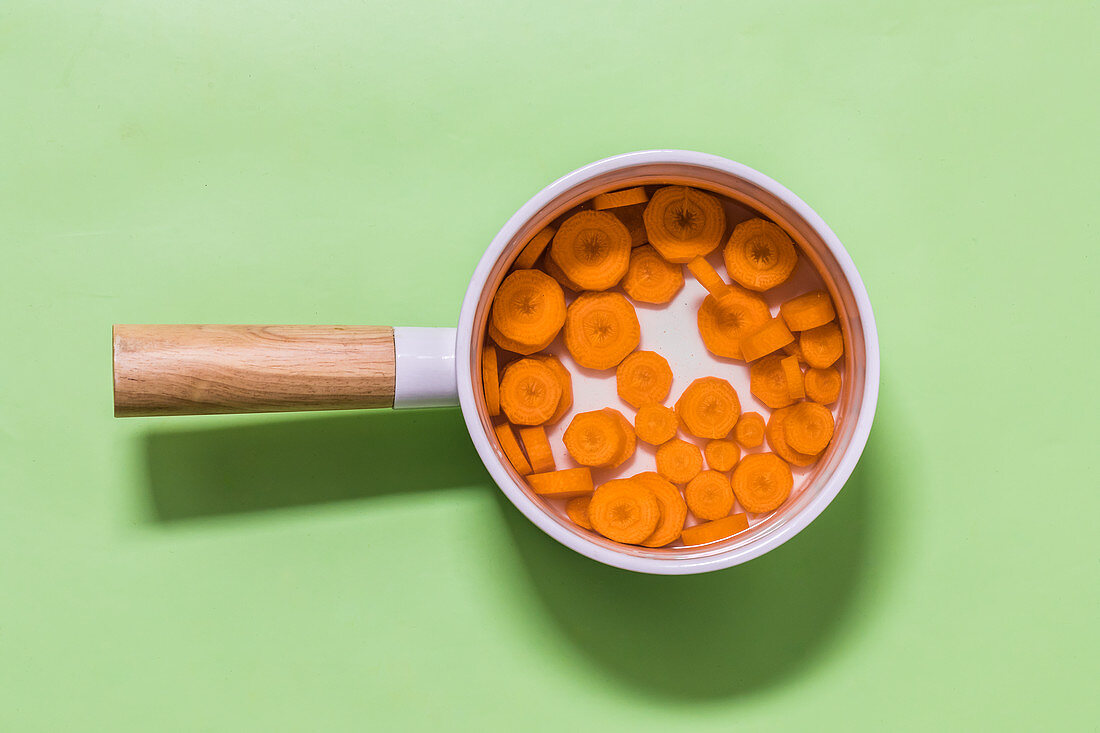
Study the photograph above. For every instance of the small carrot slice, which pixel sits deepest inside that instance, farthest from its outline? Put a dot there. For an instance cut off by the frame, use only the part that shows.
(489, 379)
(537, 447)
(679, 461)
(592, 248)
(762, 482)
(643, 377)
(673, 509)
(655, 424)
(564, 484)
(793, 373)
(511, 449)
(565, 379)
(768, 381)
(594, 438)
(771, 336)
(577, 510)
(709, 407)
(534, 249)
(822, 346)
(683, 222)
(709, 495)
(616, 199)
(601, 329)
(777, 439)
(708, 277)
(719, 529)
(529, 392)
(749, 430)
(807, 311)
(823, 385)
(629, 440)
(651, 278)
(624, 510)
(528, 311)
(759, 255)
(555, 272)
(632, 219)
(722, 455)
(808, 428)
(724, 322)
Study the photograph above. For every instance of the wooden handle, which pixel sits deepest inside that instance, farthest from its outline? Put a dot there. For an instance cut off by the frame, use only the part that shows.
(205, 370)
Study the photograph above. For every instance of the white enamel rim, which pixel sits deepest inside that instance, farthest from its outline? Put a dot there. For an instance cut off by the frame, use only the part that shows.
(667, 566)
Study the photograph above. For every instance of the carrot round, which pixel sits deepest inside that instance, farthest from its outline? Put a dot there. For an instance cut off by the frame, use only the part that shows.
(709, 407)
(632, 219)
(534, 249)
(719, 529)
(643, 377)
(629, 440)
(808, 428)
(529, 392)
(683, 222)
(724, 322)
(795, 383)
(624, 510)
(807, 311)
(651, 278)
(823, 385)
(599, 438)
(510, 446)
(768, 381)
(708, 277)
(577, 510)
(749, 430)
(679, 461)
(709, 495)
(655, 424)
(777, 439)
(489, 379)
(722, 455)
(771, 336)
(537, 448)
(564, 484)
(673, 509)
(528, 311)
(762, 482)
(822, 346)
(565, 379)
(759, 255)
(601, 329)
(616, 199)
(592, 248)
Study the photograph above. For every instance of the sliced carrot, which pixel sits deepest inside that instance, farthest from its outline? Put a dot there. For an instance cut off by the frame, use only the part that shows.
(565, 404)
(528, 311)
(564, 484)
(510, 446)
(624, 510)
(777, 439)
(679, 461)
(555, 272)
(771, 336)
(673, 509)
(793, 373)
(629, 440)
(762, 482)
(537, 447)
(643, 377)
(719, 529)
(592, 248)
(534, 248)
(655, 424)
(749, 430)
(759, 255)
(793, 349)
(529, 392)
(598, 438)
(601, 329)
(724, 322)
(577, 510)
(632, 219)
(823, 385)
(822, 346)
(808, 428)
(708, 277)
(709, 407)
(807, 311)
(489, 379)
(768, 381)
(709, 495)
(616, 199)
(722, 455)
(683, 222)
(651, 278)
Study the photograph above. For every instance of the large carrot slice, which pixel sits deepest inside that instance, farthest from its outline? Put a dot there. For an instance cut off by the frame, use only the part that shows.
(534, 249)
(655, 424)
(529, 392)
(643, 377)
(679, 461)
(807, 311)
(708, 277)
(684, 222)
(749, 430)
(724, 322)
(564, 484)
(592, 248)
(709, 495)
(624, 510)
(528, 311)
(601, 329)
(719, 529)
(793, 372)
(510, 446)
(709, 407)
(616, 199)
(672, 506)
(823, 385)
(822, 346)
(565, 404)
(577, 510)
(808, 428)
(722, 455)
(537, 447)
(771, 336)
(762, 482)
(489, 379)
(768, 381)
(651, 278)
(777, 439)
(759, 255)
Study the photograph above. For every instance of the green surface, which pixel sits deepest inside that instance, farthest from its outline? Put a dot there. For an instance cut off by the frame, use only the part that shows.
(297, 162)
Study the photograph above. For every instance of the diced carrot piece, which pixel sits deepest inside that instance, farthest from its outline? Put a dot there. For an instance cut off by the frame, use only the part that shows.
(708, 277)
(537, 447)
(489, 379)
(808, 311)
(719, 529)
(510, 446)
(564, 484)
(793, 373)
(617, 199)
(770, 337)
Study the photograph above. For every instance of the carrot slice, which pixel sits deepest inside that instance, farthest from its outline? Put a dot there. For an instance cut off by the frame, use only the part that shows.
(749, 430)
(709, 495)
(555, 272)
(529, 392)
(793, 373)
(709, 407)
(528, 311)
(489, 379)
(724, 322)
(565, 379)
(722, 455)
(601, 329)
(823, 385)
(577, 510)
(808, 311)
(708, 277)
(759, 255)
(771, 336)
(808, 428)
(598, 438)
(592, 248)
(762, 482)
(629, 440)
(822, 346)
(679, 461)
(793, 349)
(534, 248)
(643, 377)
(777, 439)
(624, 510)
(651, 278)
(673, 509)
(768, 381)
(719, 529)
(564, 484)
(537, 447)
(655, 424)
(632, 219)
(684, 222)
(511, 449)
(616, 199)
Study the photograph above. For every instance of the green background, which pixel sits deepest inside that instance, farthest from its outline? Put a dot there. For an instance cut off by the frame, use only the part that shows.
(335, 162)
